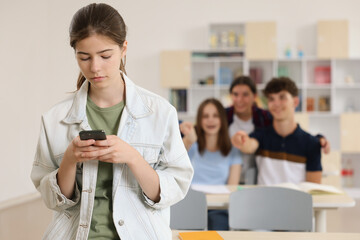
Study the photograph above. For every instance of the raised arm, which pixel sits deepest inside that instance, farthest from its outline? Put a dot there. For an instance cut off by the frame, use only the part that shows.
(314, 177)
(244, 143)
(325, 145)
(190, 137)
(234, 175)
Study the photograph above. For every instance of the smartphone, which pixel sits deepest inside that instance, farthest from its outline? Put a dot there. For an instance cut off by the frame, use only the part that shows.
(92, 134)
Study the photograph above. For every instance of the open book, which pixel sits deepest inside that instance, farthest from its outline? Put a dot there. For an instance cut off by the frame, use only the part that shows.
(311, 188)
(212, 189)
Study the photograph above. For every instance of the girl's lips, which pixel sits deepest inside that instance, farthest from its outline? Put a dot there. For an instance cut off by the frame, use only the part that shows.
(98, 78)
(210, 127)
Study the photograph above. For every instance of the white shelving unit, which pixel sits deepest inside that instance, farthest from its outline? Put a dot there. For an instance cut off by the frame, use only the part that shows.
(339, 92)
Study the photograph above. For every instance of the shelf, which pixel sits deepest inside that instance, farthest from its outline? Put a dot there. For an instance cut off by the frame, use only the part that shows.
(217, 50)
(203, 87)
(318, 86)
(202, 60)
(216, 59)
(322, 114)
(286, 60)
(315, 59)
(261, 86)
(348, 86)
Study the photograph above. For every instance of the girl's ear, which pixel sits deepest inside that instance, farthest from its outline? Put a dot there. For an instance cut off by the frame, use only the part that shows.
(124, 49)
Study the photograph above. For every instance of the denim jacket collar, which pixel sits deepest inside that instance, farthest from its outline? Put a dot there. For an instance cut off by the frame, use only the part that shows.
(136, 105)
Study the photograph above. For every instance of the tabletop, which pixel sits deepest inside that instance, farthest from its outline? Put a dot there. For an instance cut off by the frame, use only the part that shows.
(235, 235)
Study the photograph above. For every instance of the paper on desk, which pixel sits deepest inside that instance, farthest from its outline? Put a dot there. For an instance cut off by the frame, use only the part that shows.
(213, 189)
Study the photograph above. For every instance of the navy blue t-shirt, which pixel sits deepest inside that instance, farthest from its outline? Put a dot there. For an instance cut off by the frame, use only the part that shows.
(290, 153)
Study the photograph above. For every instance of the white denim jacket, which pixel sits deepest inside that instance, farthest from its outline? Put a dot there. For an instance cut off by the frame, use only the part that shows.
(150, 125)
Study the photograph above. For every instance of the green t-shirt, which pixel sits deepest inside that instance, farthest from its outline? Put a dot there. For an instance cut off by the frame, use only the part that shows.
(108, 119)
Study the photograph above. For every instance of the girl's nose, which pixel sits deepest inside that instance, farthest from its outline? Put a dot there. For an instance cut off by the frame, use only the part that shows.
(95, 66)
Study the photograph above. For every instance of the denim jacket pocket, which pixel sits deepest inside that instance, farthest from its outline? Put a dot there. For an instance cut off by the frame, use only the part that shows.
(150, 155)
(149, 152)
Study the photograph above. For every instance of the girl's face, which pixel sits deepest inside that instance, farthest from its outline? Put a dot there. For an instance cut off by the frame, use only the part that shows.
(210, 120)
(99, 60)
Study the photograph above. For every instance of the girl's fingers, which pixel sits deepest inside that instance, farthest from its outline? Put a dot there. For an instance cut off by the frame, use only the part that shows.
(106, 157)
(96, 154)
(83, 143)
(89, 148)
(110, 141)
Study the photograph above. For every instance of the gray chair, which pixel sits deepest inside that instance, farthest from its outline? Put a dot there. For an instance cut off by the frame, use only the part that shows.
(190, 213)
(250, 176)
(270, 208)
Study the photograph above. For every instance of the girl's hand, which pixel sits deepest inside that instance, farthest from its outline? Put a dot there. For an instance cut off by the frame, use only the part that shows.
(325, 145)
(187, 128)
(113, 150)
(79, 150)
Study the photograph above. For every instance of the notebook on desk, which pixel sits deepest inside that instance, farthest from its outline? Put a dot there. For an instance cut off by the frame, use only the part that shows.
(211, 189)
(311, 188)
(201, 235)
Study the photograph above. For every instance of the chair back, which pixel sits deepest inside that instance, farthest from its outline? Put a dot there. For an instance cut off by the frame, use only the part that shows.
(190, 213)
(270, 208)
(250, 176)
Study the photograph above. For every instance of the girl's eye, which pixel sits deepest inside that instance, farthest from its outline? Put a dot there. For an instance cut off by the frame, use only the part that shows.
(105, 57)
(84, 59)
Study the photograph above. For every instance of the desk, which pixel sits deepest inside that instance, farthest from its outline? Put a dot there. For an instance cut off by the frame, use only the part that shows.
(321, 203)
(235, 235)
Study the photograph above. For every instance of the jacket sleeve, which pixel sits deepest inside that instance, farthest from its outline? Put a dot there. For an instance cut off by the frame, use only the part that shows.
(44, 173)
(174, 170)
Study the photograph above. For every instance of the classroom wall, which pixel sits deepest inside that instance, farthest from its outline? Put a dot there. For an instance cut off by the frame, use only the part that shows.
(38, 67)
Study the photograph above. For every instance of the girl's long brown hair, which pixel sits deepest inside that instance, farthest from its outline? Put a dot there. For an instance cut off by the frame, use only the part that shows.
(97, 18)
(223, 141)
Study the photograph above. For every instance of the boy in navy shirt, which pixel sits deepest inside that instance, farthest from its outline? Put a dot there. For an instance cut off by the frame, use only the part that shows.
(284, 152)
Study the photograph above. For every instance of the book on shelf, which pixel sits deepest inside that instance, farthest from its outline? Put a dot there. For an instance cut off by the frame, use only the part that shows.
(311, 188)
(322, 74)
(256, 74)
(201, 235)
(178, 98)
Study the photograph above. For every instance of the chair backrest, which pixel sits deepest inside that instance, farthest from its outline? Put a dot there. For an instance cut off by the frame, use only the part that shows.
(250, 176)
(189, 213)
(270, 208)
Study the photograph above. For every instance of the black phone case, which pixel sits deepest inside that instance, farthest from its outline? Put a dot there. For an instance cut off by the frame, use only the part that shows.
(92, 134)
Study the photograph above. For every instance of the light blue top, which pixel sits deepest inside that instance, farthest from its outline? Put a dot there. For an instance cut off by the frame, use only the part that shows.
(212, 168)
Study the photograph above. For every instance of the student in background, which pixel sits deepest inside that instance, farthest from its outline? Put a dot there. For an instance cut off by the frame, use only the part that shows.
(284, 152)
(214, 159)
(246, 116)
(121, 187)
